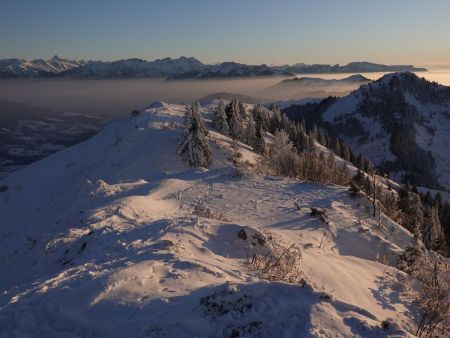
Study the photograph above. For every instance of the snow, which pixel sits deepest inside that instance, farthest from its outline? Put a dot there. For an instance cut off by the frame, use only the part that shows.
(437, 142)
(34, 68)
(108, 238)
(377, 146)
(346, 105)
(431, 133)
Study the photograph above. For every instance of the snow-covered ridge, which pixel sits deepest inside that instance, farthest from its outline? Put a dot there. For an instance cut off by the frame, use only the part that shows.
(20, 68)
(400, 122)
(117, 236)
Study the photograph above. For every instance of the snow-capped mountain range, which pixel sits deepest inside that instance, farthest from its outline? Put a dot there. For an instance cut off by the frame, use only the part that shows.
(231, 69)
(117, 237)
(178, 68)
(131, 68)
(20, 68)
(401, 122)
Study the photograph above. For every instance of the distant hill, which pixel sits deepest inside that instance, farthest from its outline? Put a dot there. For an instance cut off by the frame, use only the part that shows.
(298, 81)
(304, 87)
(229, 96)
(401, 122)
(352, 67)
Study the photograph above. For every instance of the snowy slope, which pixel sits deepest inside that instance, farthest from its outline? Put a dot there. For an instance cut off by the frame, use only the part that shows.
(117, 237)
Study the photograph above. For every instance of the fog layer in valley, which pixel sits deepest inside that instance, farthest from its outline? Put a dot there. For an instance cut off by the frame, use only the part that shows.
(120, 96)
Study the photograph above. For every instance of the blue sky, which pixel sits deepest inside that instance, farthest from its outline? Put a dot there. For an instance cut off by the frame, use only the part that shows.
(251, 31)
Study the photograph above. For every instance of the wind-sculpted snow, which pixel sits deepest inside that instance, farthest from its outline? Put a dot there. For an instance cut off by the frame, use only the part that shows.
(117, 237)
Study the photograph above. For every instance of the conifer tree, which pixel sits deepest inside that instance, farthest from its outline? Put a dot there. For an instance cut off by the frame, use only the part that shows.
(260, 143)
(273, 108)
(360, 163)
(193, 144)
(314, 133)
(250, 131)
(232, 108)
(337, 147)
(285, 123)
(331, 164)
(432, 232)
(321, 137)
(275, 120)
(302, 141)
(236, 126)
(414, 214)
(345, 152)
(242, 112)
(311, 145)
(282, 158)
(220, 119)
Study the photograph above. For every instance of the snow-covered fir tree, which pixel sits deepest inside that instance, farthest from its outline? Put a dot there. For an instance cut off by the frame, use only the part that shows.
(414, 214)
(261, 118)
(220, 119)
(282, 157)
(346, 152)
(260, 144)
(250, 131)
(236, 129)
(285, 123)
(231, 109)
(241, 108)
(432, 232)
(193, 144)
(275, 120)
(413, 257)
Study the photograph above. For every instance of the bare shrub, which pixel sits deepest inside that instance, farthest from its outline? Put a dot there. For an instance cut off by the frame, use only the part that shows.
(433, 299)
(434, 303)
(283, 159)
(325, 240)
(280, 263)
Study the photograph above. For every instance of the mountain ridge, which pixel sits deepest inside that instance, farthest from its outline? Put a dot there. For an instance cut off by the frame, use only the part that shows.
(401, 122)
(173, 68)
